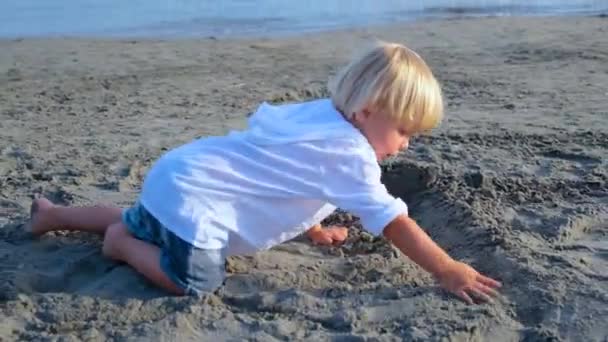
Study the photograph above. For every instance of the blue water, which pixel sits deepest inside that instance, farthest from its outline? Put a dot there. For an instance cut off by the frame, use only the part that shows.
(187, 18)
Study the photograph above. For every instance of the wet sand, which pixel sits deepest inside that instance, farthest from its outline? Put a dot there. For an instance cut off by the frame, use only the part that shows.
(515, 182)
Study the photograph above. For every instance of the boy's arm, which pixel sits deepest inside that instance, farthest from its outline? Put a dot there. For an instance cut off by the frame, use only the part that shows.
(455, 276)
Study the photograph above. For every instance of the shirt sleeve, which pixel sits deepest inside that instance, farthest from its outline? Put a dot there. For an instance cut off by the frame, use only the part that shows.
(352, 182)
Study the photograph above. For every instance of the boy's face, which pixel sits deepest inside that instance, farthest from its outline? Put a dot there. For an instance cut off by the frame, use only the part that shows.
(385, 136)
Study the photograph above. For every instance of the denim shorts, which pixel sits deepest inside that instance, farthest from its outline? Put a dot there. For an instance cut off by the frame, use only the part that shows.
(195, 270)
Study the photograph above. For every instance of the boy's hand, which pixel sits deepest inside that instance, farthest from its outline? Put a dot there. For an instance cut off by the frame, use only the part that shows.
(465, 282)
(457, 277)
(328, 236)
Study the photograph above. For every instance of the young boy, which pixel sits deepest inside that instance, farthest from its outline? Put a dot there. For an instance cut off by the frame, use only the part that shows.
(292, 167)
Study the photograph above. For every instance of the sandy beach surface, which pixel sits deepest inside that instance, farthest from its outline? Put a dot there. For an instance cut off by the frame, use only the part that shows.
(515, 182)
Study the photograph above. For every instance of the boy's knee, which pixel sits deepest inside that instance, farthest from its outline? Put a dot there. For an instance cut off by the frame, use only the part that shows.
(114, 234)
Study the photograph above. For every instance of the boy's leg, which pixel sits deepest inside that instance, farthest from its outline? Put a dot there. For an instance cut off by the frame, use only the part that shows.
(46, 216)
(120, 245)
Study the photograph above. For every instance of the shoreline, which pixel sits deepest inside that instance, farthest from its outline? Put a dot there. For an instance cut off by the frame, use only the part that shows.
(379, 27)
(189, 31)
(294, 36)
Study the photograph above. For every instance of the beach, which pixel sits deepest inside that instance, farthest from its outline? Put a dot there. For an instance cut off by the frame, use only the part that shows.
(514, 182)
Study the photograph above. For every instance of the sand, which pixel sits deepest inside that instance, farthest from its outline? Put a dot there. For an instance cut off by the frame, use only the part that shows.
(515, 182)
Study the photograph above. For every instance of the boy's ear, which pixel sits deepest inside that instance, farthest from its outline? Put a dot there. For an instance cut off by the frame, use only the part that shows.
(361, 115)
(366, 112)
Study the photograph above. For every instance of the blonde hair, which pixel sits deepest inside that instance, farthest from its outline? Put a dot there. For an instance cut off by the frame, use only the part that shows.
(392, 78)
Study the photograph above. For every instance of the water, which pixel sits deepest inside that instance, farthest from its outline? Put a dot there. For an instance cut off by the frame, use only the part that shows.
(187, 18)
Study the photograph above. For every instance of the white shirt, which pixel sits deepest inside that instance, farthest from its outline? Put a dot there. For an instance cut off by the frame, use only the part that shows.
(254, 189)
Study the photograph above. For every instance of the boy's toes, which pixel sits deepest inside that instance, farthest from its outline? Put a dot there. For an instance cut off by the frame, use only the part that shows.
(40, 204)
(36, 224)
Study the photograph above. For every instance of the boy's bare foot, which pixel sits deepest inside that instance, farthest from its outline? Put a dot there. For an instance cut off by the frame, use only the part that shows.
(38, 223)
(327, 236)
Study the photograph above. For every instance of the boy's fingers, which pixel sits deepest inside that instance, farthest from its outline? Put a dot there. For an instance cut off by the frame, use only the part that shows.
(480, 295)
(487, 290)
(488, 281)
(338, 233)
(462, 294)
(321, 239)
(339, 236)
